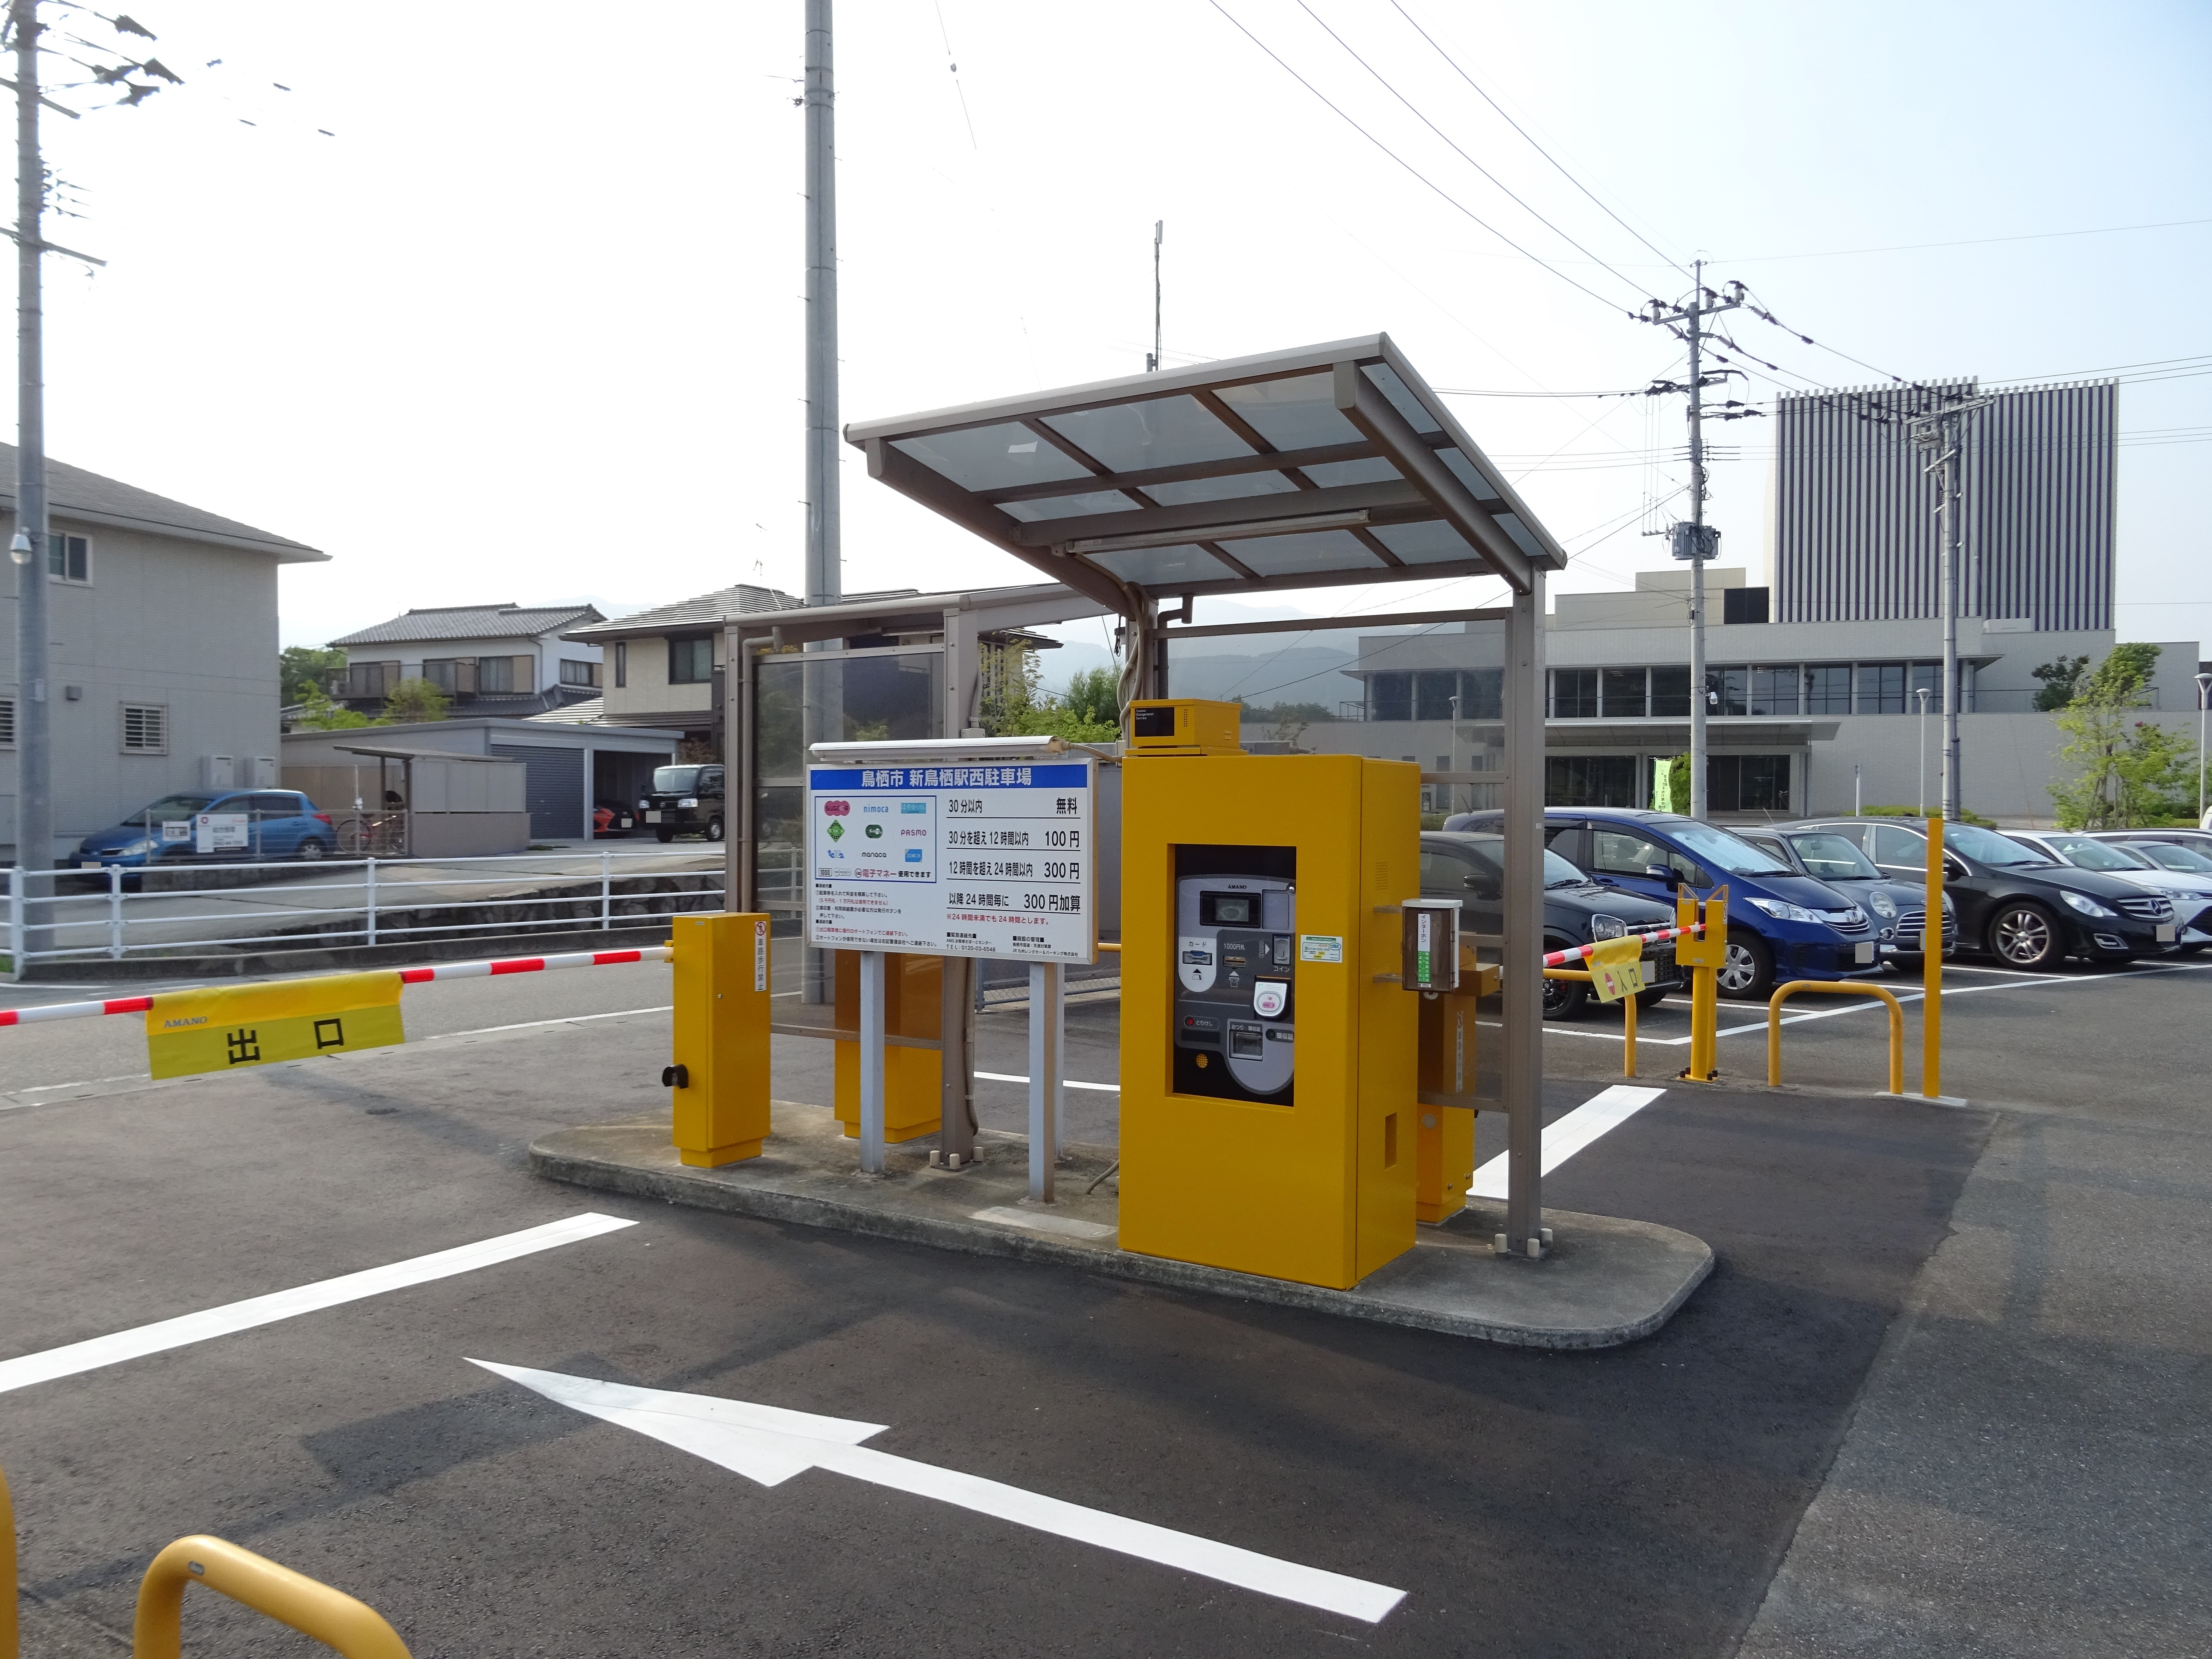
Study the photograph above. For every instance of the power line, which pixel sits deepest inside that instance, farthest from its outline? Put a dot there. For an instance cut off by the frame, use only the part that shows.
(1608, 304)
(1971, 241)
(1456, 150)
(1533, 144)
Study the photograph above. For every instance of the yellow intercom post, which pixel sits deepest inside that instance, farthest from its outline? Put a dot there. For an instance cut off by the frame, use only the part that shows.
(1704, 955)
(719, 1077)
(1267, 1049)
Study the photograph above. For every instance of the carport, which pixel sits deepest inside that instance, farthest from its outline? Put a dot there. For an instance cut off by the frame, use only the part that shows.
(1329, 466)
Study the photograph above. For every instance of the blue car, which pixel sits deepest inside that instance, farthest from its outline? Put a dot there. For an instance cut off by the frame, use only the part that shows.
(1782, 924)
(277, 824)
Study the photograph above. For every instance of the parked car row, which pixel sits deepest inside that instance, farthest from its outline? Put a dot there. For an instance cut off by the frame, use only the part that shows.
(232, 825)
(1840, 898)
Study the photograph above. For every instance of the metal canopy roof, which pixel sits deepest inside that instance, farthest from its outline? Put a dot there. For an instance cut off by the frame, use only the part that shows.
(1325, 466)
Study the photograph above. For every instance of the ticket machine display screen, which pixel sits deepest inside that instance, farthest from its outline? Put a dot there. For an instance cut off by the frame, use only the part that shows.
(1234, 1019)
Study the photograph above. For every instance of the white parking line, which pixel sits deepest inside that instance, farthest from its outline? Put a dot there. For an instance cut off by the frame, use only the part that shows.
(1065, 1082)
(187, 1329)
(566, 1019)
(1602, 1113)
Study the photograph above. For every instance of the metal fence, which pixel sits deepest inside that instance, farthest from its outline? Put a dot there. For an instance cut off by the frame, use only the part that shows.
(112, 914)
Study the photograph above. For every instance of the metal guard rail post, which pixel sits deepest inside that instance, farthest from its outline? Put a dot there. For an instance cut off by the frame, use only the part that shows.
(329, 1616)
(1835, 987)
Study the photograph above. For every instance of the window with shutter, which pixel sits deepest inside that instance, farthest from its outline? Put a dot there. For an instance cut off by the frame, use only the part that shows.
(145, 728)
(7, 722)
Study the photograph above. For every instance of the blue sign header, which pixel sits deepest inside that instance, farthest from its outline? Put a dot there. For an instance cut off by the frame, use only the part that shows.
(1021, 775)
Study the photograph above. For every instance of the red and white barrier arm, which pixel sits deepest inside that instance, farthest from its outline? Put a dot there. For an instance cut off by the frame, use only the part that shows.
(407, 976)
(1561, 958)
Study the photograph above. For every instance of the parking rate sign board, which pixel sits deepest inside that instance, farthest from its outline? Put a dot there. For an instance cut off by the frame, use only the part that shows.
(964, 858)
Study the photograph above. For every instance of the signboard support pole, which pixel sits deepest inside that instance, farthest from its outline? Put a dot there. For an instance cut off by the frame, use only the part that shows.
(1044, 1077)
(956, 1137)
(872, 1062)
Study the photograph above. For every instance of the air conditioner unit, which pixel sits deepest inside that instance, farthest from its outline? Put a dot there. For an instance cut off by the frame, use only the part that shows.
(264, 772)
(218, 772)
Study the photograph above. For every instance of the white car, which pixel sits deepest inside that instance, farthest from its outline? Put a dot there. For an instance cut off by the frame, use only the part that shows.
(2190, 891)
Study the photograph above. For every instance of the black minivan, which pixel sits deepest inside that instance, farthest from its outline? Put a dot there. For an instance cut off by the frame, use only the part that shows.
(683, 798)
(2015, 900)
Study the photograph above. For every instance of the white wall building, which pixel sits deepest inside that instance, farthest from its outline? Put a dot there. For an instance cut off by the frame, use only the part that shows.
(506, 660)
(163, 664)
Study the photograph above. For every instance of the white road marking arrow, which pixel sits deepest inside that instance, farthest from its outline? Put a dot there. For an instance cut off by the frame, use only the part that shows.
(770, 1444)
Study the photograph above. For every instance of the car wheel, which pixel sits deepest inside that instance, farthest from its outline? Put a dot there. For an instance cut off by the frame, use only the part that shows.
(714, 829)
(1652, 998)
(1564, 999)
(1748, 974)
(2024, 935)
(664, 832)
(311, 850)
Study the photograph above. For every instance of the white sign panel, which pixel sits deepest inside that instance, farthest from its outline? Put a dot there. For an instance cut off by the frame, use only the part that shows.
(176, 829)
(958, 858)
(220, 832)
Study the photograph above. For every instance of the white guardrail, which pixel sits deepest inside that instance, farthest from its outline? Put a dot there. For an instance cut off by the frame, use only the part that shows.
(62, 916)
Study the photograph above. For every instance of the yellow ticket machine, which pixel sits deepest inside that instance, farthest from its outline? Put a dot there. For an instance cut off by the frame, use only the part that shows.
(719, 1074)
(1267, 1051)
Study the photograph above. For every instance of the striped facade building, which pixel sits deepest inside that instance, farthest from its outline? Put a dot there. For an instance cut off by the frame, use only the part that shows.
(1856, 533)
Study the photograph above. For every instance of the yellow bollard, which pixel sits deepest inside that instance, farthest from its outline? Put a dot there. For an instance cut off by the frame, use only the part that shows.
(329, 1616)
(1835, 987)
(1931, 969)
(719, 1079)
(1703, 956)
(1627, 1014)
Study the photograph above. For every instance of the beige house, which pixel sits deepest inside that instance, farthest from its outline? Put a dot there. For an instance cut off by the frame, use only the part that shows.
(664, 667)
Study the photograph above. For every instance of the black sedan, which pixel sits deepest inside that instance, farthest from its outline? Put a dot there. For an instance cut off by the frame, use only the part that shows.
(2015, 900)
(1900, 909)
(1470, 867)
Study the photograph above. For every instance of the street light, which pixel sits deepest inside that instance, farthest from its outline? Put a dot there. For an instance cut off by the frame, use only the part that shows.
(2203, 700)
(1451, 790)
(1921, 692)
(20, 549)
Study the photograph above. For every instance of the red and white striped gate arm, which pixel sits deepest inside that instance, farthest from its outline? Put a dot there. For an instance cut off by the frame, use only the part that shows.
(1561, 958)
(407, 976)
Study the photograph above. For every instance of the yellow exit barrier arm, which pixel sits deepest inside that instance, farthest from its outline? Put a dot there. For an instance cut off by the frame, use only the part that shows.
(1835, 987)
(329, 1616)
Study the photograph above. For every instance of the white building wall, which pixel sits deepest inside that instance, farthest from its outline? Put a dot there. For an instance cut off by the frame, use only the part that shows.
(180, 623)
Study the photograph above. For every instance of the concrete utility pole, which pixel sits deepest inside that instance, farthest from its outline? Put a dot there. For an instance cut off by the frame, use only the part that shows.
(34, 792)
(1941, 432)
(1700, 307)
(825, 580)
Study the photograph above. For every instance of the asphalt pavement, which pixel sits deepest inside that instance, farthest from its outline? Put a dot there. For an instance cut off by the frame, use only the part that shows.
(1942, 1396)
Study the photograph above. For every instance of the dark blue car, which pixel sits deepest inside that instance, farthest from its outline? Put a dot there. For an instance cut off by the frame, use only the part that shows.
(278, 823)
(1782, 924)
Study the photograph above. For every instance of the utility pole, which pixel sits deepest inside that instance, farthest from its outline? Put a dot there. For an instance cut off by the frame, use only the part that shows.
(1152, 362)
(34, 791)
(1942, 432)
(825, 566)
(1693, 541)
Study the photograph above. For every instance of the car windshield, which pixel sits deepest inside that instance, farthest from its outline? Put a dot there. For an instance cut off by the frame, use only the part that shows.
(675, 779)
(2172, 857)
(1489, 853)
(170, 808)
(2097, 854)
(1833, 859)
(1731, 853)
(1991, 848)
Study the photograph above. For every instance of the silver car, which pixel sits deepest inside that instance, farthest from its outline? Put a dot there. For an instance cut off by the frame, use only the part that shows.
(2190, 891)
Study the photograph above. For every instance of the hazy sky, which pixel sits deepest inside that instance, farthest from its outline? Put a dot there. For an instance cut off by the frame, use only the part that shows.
(528, 326)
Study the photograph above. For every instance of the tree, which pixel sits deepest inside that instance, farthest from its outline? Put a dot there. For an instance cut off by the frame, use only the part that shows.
(1094, 696)
(414, 701)
(2125, 772)
(300, 666)
(320, 714)
(2060, 680)
(1014, 703)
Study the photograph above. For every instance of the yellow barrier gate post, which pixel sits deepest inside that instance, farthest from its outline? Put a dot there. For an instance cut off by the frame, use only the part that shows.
(1931, 969)
(1843, 988)
(719, 1074)
(1704, 955)
(329, 1616)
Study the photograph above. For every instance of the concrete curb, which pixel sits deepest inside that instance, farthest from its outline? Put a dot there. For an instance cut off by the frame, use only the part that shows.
(1610, 1281)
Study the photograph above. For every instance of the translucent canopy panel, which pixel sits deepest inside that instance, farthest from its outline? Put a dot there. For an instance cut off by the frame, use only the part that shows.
(993, 456)
(1158, 432)
(1331, 465)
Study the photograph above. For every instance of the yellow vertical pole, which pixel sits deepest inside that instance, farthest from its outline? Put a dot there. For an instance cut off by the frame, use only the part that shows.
(1931, 969)
(1628, 1031)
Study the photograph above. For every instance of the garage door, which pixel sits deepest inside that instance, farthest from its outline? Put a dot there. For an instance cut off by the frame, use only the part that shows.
(553, 788)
